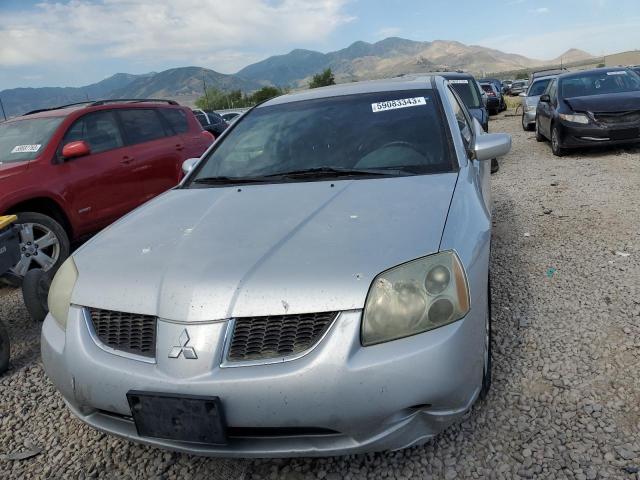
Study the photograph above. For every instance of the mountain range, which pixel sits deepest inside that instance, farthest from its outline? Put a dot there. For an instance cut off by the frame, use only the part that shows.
(359, 61)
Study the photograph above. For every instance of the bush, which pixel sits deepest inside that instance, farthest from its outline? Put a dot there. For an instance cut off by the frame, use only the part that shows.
(323, 79)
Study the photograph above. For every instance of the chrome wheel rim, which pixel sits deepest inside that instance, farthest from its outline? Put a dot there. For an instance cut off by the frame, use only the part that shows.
(39, 247)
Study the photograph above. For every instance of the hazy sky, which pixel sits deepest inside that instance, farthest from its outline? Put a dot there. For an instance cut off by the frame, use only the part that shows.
(76, 42)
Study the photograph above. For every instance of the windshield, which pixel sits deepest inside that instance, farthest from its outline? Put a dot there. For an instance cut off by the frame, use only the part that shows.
(538, 87)
(398, 131)
(599, 83)
(467, 91)
(25, 139)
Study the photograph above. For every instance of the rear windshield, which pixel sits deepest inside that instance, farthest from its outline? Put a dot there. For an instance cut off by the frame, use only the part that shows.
(467, 91)
(26, 139)
(598, 83)
(401, 130)
(538, 88)
(487, 88)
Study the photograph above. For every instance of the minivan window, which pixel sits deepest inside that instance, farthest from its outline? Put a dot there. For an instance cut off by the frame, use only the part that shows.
(22, 140)
(599, 82)
(467, 91)
(141, 125)
(176, 118)
(537, 88)
(100, 130)
(398, 131)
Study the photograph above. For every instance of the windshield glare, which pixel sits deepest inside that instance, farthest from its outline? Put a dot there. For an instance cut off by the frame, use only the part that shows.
(467, 91)
(599, 83)
(25, 139)
(538, 88)
(384, 130)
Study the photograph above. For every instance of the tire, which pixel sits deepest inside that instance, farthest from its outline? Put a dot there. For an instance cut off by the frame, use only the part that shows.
(495, 166)
(557, 150)
(525, 126)
(488, 363)
(493, 111)
(5, 349)
(44, 243)
(539, 136)
(35, 289)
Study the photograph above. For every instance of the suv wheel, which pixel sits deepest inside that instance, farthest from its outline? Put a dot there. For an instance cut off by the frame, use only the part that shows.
(43, 243)
(539, 136)
(486, 373)
(557, 150)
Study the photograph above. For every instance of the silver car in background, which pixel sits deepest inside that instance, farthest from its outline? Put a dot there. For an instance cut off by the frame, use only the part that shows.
(317, 284)
(530, 100)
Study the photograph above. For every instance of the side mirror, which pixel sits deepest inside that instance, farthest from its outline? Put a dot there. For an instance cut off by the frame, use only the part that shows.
(76, 149)
(188, 165)
(491, 145)
(545, 98)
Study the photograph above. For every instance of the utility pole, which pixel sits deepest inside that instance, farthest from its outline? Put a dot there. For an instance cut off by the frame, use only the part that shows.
(3, 113)
(206, 96)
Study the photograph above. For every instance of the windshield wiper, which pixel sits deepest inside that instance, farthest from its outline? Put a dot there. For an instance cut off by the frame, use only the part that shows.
(336, 172)
(232, 180)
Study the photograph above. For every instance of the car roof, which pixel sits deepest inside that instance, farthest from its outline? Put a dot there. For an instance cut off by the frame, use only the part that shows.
(408, 82)
(546, 77)
(453, 75)
(579, 73)
(64, 110)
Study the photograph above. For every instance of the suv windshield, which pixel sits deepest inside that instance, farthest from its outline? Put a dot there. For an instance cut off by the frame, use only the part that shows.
(599, 83)
(397, 132)
(22, 140)
(467, 91)
(538, 87)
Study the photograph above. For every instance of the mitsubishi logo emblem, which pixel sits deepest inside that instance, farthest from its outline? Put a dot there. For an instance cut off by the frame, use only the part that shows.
(187, 352)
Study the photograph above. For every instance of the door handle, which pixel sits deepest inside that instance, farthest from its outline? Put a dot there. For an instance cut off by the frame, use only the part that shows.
(179, 146)
(126, 160)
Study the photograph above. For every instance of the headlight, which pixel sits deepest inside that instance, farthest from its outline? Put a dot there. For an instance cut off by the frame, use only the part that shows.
(60, 292)
(415, 297)
(576, 118)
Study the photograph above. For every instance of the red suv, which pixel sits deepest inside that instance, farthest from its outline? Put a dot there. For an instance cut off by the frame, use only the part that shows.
(70, 171)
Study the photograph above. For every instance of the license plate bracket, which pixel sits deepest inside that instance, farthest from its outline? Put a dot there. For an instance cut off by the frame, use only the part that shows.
(185, 418)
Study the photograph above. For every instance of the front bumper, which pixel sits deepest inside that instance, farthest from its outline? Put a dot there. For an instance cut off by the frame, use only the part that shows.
(575, 135)
(529, 116)
(339, 398)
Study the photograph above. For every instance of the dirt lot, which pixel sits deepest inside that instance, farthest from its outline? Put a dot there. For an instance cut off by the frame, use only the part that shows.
(566, 396)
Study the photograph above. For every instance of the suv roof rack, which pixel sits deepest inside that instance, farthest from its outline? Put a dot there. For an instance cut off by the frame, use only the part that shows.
(57, 108)
(133, 100)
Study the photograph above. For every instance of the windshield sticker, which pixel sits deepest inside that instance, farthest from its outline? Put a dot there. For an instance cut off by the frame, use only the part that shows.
(25, 148)
(458, 81)
(617, 72)
(395, 104)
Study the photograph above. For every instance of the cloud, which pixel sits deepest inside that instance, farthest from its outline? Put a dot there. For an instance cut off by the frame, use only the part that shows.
(596, 39)
(540, 11)
(386, 32)
(182, 31)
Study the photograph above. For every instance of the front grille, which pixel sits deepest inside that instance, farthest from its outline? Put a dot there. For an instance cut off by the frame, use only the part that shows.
(128, 332)
(617, 118)
(259, 338)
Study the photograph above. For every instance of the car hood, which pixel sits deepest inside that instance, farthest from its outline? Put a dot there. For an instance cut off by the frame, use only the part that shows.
(612, 102)
(10, 169)
(216, 253)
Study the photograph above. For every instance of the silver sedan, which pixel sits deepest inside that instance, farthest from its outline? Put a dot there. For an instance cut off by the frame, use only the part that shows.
(317, 285)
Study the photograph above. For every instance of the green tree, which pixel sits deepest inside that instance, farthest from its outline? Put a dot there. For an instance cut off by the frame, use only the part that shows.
(323, 79)
(265, 93)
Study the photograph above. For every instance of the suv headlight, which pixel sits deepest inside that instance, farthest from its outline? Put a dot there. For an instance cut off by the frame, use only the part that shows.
(576, 118)
(60, 291)
(415, 297)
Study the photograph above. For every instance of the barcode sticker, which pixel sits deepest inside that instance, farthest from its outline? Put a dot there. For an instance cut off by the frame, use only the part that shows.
(25, 148)
(395, 104)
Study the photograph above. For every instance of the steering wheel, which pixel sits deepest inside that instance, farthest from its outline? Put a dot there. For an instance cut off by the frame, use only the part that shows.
(411, 146)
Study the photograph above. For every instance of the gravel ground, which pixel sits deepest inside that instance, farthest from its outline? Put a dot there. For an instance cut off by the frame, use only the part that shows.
(565, 402)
